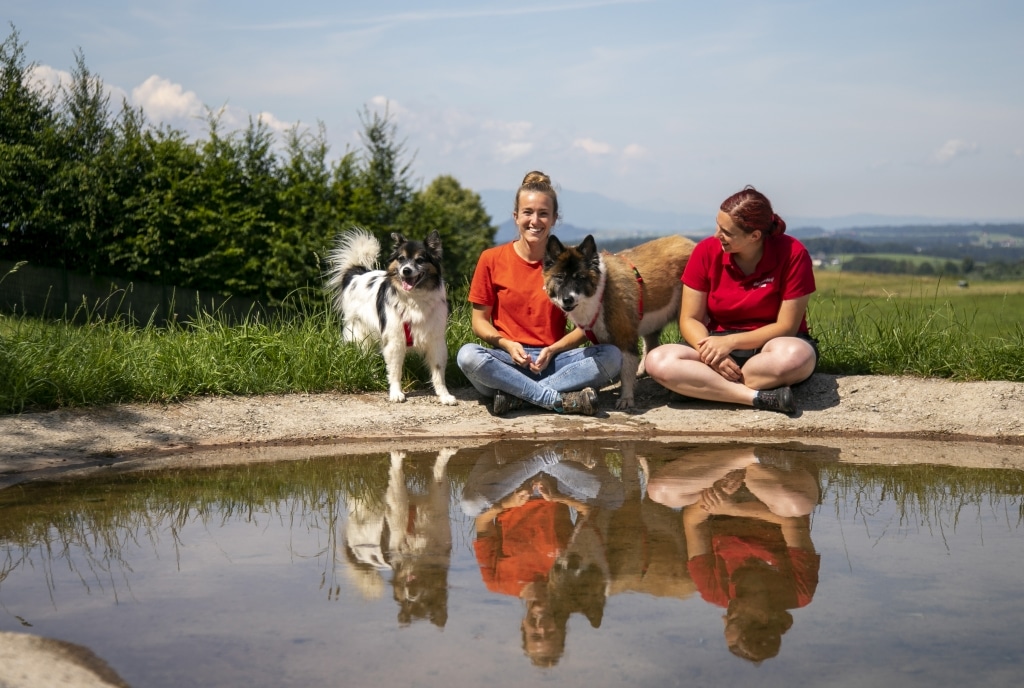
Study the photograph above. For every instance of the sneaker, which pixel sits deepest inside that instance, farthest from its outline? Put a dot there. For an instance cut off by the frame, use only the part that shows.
(583, 402)
(779, 399)
(505, 402)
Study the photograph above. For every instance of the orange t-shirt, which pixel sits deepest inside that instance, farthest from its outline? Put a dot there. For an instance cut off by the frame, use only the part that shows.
(514, 289)
(524, 545)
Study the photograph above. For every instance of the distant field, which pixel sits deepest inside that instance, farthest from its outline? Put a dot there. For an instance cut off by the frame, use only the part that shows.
(914, 259)
(990, 309)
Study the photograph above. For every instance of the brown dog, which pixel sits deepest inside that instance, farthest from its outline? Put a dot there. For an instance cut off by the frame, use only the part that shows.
(619, 298)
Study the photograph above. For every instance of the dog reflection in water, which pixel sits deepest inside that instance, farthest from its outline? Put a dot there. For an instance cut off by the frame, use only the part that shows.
(530, 545)
(410, 535)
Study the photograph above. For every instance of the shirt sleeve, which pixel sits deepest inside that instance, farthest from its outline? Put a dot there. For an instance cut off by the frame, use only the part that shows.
(697, 273)
(707, 576)
(481, 289)
(799, 273)
(805, 574)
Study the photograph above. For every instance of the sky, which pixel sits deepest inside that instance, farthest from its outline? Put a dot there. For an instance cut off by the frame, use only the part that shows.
(892, 107)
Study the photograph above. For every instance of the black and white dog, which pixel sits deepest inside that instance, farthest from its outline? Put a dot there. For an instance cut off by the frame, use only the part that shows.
(402, 308)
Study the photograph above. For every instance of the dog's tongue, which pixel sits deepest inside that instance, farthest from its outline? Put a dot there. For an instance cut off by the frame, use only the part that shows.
(407, 285)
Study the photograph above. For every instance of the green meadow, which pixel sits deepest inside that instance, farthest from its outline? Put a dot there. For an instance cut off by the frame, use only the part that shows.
(866, 324)
(927, 326)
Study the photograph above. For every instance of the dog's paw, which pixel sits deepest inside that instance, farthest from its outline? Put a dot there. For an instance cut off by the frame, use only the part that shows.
(396, 397)
(625, 404)
(447, 399)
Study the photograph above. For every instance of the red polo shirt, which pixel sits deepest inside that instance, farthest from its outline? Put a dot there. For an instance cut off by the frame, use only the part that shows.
(747, 302)
(713, 572)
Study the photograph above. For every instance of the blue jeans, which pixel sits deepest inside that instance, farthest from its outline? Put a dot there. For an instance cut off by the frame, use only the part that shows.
(490, 370)
(489, 483)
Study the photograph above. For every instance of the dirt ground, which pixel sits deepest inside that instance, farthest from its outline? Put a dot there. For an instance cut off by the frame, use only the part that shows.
(872, 418)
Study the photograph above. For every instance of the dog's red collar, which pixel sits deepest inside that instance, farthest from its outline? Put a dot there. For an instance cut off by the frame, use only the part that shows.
(408, 333)
(589, 329)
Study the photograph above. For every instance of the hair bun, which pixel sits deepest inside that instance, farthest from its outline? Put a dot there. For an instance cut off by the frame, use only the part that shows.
(535, 178)
(778, 226)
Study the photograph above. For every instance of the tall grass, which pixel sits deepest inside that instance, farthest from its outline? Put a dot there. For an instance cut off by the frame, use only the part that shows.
(925, 327)
(88, 359)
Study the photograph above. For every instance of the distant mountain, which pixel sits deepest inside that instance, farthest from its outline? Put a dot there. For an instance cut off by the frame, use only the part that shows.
(591, 213)
(599, 215)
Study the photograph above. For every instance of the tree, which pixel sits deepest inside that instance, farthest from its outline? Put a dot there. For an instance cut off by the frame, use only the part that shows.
(83, 189)
(79, 194)
(383, 187)
(459, 216)
(27, 145)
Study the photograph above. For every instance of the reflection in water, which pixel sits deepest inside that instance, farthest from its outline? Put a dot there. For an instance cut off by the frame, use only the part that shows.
(746, 516)
(537, 538)
(604, 562)
(410, 534)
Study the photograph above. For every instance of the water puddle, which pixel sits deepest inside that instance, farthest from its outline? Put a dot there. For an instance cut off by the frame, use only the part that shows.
(582, 563)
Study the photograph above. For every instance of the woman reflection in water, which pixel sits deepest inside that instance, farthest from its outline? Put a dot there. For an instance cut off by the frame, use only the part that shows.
(524, 514)
(746, 516)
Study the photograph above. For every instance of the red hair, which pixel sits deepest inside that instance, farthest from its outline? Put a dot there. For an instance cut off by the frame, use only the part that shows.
(752, 211)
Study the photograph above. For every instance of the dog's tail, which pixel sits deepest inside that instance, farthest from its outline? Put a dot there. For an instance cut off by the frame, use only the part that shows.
(355, 252)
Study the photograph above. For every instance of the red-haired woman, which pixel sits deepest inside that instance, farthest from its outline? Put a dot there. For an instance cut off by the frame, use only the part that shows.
(743, 316)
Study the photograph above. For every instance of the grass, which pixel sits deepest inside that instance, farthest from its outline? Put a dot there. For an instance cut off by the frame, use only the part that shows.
(866, 324)
(894, 325)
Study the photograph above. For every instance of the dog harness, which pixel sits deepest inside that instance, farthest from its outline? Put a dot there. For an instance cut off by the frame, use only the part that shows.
(589, 329)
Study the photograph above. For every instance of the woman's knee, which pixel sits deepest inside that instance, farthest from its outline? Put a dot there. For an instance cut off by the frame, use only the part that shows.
(660, 360)
(469, 357)
(609, 360)
(789, 357)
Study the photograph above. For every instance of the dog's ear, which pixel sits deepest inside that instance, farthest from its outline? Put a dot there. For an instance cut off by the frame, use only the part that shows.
(433, 242)
(588, 246)
(397, 238)
(551, 252)
(588, 250)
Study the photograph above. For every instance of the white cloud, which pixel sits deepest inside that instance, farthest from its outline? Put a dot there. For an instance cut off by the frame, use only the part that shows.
(634, 150)
(163, 100)
(45, 78)
(275, 124)
(169, 103)
(593, 147)
(513, 150)
(954, 148)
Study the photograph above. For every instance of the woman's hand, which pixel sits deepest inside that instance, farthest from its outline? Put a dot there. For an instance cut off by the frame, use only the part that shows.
(729, 369)
(517, 498)
(543, 359)
(543, 486)
(714, 352)
(518, 353)
(715, 500)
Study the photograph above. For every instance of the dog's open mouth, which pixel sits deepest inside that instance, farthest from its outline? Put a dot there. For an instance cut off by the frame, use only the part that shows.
(409, 283)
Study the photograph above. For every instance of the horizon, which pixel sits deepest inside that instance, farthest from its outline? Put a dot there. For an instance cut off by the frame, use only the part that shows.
(833, 110)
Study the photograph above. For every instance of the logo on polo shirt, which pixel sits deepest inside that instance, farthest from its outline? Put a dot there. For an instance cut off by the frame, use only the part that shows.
(762, 283)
